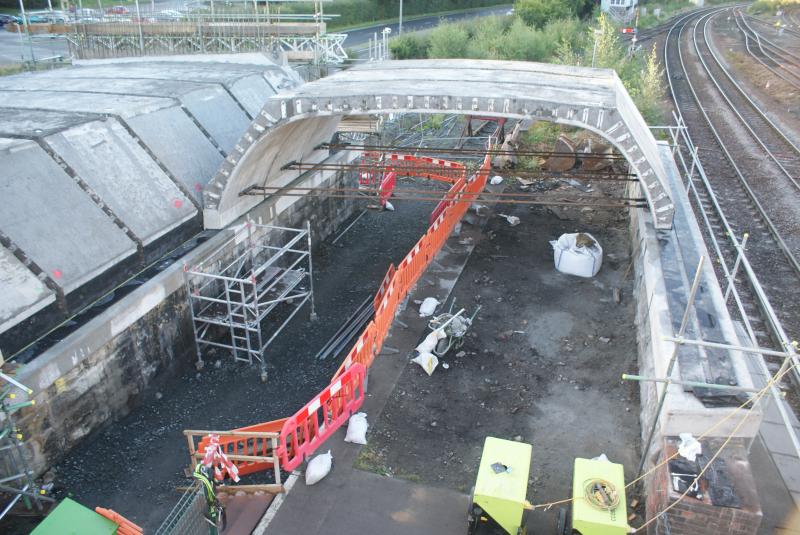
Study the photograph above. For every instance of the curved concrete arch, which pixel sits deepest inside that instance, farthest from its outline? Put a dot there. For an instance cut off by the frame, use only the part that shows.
(291, 124)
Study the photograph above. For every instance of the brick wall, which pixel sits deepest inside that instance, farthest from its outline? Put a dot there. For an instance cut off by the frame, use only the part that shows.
(693, 516)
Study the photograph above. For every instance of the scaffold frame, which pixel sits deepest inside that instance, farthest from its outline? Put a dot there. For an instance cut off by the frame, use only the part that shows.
(244, 293)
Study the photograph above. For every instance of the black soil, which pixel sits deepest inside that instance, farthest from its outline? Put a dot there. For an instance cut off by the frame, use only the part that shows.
(135, 465)
(542, 364)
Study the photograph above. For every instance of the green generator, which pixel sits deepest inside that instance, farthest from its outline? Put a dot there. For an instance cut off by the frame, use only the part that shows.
(598, 498)
(498, 504)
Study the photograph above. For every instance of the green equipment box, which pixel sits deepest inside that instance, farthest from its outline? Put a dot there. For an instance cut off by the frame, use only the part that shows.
(598, 492)
(502, 482)
(71, 518)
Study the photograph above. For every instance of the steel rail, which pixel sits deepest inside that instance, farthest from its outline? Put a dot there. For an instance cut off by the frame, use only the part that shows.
(727, 231)
(729, 157)
(304, 167)
(760, 113)
(481, 152)
(752, 280)
(746, 33)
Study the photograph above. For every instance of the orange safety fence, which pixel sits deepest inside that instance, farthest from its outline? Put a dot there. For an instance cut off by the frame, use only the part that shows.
(126, 527)
(238, 446)
(302, 433)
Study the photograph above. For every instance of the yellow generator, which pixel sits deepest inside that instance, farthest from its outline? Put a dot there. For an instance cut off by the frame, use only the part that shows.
(498, 503)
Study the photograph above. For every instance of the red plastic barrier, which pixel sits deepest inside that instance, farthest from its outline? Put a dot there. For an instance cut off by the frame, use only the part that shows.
(303, 433)
(387, 187)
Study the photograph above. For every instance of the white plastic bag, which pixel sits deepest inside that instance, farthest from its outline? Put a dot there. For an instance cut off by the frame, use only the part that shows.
(496, 180)
(572, 259)
(319, 467)
(357, 428)
(427, 361)
(429, 344)
(690, 447)
(428, 307)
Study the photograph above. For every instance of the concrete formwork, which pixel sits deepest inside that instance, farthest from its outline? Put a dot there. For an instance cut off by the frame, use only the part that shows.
(593, 99)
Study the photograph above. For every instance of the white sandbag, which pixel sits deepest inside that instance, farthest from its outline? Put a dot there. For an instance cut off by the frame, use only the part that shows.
(319, 467)
(689, 447)
(496, 180)
(574, 255)
(427, 361)
(357, 428)
(428, 307)
(430, 341)
(388, 206)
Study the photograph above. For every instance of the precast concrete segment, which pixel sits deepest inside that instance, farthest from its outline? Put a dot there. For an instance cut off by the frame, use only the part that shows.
(250, 91)
(594, 99)
(116, 167)
(209, 103)
(36, 123)
(22, 294)
(296, 142)
(177, 143)
(42, 201)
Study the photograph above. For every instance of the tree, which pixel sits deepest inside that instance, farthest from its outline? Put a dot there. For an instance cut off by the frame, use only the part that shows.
(537, 13)
(449, 41)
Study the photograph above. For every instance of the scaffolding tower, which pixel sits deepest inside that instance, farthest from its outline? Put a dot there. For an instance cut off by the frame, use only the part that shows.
(16, 477)
(244, 293)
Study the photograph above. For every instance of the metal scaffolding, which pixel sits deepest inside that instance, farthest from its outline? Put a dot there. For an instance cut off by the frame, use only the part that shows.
(244, 293)
(16, 477)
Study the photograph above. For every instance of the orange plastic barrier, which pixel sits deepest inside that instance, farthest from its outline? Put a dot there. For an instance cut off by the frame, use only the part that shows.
(303, 433)
(254, 446)
(126, 527)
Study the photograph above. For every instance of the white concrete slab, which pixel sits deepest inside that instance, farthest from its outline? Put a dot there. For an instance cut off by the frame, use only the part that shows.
(53, 220)
(21, 293)
(105, 155)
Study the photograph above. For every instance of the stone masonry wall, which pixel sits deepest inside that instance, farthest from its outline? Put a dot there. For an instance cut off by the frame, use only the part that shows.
(98, 374)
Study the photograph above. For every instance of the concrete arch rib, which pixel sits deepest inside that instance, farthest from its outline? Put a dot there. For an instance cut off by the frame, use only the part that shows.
(291, 124)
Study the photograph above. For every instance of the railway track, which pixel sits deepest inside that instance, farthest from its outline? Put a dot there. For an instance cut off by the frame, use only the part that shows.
(750, 180)
(777, 60)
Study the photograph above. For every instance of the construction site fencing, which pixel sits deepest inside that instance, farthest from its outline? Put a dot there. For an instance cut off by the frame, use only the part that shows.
(188, 515)
(303, 433)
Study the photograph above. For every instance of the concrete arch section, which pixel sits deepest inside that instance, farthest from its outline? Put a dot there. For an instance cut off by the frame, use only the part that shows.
(291, 124)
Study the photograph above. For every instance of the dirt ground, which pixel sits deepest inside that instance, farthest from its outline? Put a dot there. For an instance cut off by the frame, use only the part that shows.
(135, 465)
(542, 364)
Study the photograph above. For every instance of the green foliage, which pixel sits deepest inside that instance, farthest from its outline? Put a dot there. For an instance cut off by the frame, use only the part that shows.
(449, 41)
(668, 8)
(410, 46)
(353, 12)
(650, 91)
(769, 7)
(537, 13)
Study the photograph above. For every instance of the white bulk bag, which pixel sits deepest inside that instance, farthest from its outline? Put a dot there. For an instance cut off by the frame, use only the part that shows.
(583, 261)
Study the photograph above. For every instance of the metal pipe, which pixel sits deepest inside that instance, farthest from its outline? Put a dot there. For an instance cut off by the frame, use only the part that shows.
(716, 345)
(696, 384)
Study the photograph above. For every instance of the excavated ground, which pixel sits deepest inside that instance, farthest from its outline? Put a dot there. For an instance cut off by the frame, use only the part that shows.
(135, 465)
(542, 364)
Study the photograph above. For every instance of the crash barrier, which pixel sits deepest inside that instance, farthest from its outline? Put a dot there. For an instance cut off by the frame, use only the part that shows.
(301, 434)
(321, 417)
(126, 527)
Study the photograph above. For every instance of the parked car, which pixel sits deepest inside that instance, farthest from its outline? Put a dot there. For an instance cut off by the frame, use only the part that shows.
(118, 10)
(6, 19)
(44, 16)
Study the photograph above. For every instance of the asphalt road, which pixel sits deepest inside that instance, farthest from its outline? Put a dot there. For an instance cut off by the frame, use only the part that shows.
(15, 48)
